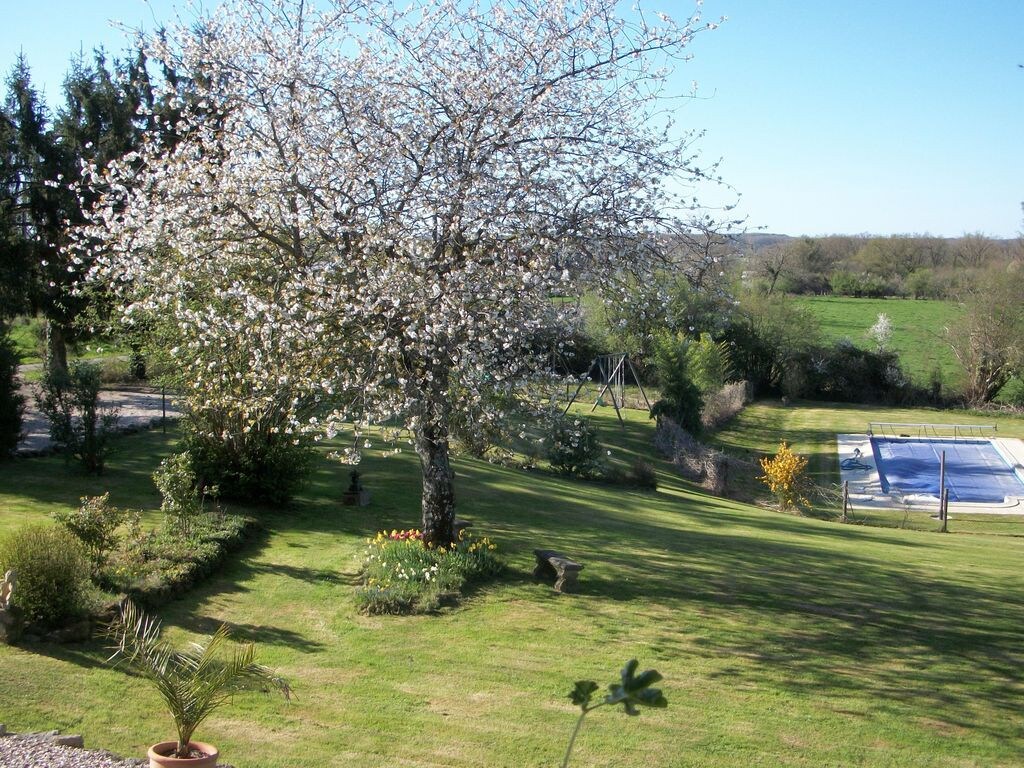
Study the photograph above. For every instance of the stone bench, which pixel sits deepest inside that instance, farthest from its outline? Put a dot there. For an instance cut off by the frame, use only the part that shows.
(551, 563)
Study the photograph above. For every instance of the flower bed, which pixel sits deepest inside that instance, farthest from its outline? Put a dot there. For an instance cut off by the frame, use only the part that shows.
(154, 567)
(401, 575)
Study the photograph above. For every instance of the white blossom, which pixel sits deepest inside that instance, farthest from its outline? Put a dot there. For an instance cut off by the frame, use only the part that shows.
(368, 210)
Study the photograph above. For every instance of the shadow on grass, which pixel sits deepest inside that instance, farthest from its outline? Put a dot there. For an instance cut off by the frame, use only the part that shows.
(838, 609)
(821, 610)
(128, 475)
(261, 634)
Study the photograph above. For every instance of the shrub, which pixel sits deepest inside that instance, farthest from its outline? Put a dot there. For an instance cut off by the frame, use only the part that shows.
(12, 404)
(694, 460)
(95, 524)
(78, 425)
(401, 575)
(784, 476)
(640, 474)
(53, 574)
(1012, 393)
(881, 332)
(765, 334)
(259, 466)
(573, 448)
(182, 497)
(680, 397)
(849, 374)
(942, 283)
(844, 283)
(723, 405)
(708, 364)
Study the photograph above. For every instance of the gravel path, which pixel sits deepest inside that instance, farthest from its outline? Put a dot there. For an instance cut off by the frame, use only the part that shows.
(28, 753)
(137, 407)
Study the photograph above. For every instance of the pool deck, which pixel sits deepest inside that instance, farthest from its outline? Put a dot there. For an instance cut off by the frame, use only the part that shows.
(866, 485)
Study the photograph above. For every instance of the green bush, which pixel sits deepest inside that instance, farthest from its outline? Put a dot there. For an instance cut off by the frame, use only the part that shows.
(181, 495)
(640, 474)
(848, 374)
(400, 575)
(1012, 393)
(573, 448)
(708, 364)
(264, 467)
(78, 425)
(680, 399)
(12, 404)
(95, 524)
(53, 574)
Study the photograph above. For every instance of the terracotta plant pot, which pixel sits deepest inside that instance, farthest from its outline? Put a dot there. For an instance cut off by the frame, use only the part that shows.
(162, 755)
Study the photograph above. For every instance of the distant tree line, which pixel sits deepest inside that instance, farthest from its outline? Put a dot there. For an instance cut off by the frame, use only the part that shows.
(914, 266)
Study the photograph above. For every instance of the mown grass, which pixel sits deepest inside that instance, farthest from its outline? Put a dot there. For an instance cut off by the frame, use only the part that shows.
(27, 334)
(917, 335)
(783, 641)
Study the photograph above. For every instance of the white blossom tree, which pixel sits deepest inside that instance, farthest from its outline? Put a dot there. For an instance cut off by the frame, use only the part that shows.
(372, 209)
(881, 332)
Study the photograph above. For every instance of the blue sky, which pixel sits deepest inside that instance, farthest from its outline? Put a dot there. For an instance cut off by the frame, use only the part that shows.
(830, 116)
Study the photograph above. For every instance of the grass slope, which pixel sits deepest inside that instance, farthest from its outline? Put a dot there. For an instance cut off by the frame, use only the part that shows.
(783, 641)
(917, 330)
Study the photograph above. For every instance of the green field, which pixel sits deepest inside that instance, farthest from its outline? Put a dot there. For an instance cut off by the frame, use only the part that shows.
(917, 331)
(784, 641)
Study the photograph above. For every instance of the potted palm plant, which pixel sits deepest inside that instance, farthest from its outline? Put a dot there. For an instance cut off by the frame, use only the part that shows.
(193, 682)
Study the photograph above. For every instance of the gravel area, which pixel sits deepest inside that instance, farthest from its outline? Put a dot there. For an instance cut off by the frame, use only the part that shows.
(137, 407)
(28, 753)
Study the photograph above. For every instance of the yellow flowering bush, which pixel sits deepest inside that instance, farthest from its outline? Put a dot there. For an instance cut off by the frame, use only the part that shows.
(784, 476)
(401, 575)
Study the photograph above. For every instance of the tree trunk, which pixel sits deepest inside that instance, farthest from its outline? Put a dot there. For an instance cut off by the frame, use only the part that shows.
(56, 347)
(438, 488)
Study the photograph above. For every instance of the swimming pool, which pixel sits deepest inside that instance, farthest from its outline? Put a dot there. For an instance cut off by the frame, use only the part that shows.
(975, 470)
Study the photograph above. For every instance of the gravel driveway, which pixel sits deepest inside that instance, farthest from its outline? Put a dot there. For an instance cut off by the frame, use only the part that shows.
(29, 753)
(137, 407)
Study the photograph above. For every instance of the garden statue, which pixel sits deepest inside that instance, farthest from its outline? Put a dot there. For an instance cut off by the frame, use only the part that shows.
(6, 588)
(6, 617)
(356, 495)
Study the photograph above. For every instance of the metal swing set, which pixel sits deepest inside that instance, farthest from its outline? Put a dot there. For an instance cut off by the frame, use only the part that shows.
(611, 375)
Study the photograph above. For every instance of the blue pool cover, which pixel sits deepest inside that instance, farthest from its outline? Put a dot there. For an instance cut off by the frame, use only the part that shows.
(975, 470)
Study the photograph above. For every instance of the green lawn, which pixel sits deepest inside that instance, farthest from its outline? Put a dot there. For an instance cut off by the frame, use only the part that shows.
(917, 330)
(26, 332)
(783, 641)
